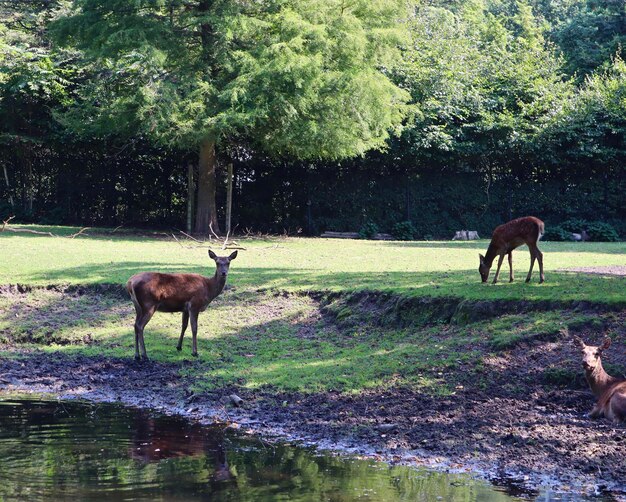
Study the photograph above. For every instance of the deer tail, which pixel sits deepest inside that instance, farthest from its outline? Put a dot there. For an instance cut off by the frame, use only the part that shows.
(130, 287)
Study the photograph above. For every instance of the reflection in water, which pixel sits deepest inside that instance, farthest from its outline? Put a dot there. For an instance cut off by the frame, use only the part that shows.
(156, 439)
(73, 451)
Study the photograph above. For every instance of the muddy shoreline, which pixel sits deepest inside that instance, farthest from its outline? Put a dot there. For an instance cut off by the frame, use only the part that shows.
(523, 445)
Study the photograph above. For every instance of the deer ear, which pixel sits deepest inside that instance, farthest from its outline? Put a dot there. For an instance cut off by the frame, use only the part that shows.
(578, 341)
(212, 255)
(482, 258)
(606, 344)
(233, 256)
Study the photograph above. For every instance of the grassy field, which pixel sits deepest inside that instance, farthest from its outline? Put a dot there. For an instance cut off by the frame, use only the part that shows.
(408, 268)
(253, 337)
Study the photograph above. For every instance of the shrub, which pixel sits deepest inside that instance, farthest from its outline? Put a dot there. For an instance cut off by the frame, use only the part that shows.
(368, 230)
(602, 232)
(556, 233)
(598, 231)
(404, 231)
(575, 225)
(56, 216)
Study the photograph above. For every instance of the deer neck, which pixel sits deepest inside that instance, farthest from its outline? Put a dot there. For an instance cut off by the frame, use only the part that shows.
(215, 285)
(599, 380)
(490, 255)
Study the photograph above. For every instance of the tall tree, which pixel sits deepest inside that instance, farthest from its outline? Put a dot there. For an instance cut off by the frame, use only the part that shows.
(590, 130)
(592, 34)
(306, 78)
(484, 84)
(32, 82)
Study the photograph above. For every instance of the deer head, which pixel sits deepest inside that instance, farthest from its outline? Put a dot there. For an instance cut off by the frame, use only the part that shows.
(483, 268)
(222, 263)
(591, 354)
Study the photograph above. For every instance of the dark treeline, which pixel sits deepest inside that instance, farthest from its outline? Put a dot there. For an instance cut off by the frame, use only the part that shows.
(505, 108)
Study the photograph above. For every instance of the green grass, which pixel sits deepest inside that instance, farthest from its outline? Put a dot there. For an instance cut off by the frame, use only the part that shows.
(253, 338)
(408, 268)
(250, 340)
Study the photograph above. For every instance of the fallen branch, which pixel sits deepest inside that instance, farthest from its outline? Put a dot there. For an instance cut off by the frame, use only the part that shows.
(78, 233)
(225, 243)
(6, 222)
(189, 236)
(6, 227)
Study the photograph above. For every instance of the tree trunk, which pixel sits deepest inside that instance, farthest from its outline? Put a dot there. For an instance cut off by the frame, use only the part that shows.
(191, 192)
(229, 197)
(6, 179)
(206, 207)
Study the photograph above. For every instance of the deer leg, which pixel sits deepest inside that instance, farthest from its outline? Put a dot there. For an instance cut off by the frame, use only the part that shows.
(596, 412)
(511, 278)
(138, 315)
(540, 260)
(182, 333)
(140, 324)
(495, 279)
(137, 337)
(194, 333)
(533, 256)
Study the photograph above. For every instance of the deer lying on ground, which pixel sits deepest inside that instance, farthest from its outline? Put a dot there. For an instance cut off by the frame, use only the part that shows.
(527, 230)
(186, 293)
(610, 391)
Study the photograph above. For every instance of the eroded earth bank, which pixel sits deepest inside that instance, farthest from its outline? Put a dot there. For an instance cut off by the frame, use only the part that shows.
(493, 387)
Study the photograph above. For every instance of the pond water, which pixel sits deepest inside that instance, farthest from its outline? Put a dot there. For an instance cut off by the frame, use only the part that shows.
(59, 450)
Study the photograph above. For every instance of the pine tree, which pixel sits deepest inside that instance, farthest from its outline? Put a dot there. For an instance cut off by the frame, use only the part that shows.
(293, 77)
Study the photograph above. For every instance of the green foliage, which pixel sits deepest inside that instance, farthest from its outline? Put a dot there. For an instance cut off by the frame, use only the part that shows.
(600, 231)
(300, 78)
(368, 230)
(404, 231)
(591, 34)
(494, 130)
(563, 377)
(597, 231)
(556, 233)
(575, 225)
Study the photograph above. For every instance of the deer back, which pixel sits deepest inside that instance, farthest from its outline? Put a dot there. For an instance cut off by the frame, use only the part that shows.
(613, 401)
(517, 232)
(169, 292)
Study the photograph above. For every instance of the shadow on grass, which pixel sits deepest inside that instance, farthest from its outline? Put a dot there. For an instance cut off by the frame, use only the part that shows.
(547, 246)
(289, 348)
(49, 316)
(454, 283)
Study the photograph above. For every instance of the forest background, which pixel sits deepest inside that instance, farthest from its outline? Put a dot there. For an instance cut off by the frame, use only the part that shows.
(418, 119)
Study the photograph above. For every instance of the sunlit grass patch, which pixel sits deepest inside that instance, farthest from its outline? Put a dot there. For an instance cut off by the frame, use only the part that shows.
(309, 264)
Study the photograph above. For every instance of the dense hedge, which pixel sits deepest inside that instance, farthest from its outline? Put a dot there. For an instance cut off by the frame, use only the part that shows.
(91, 184)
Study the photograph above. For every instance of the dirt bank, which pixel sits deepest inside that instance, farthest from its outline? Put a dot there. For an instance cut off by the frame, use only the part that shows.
(508, 416)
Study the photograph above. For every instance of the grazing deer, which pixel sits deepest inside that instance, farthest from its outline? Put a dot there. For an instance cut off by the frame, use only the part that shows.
(527, 230)
(186, 293)
(610, 391)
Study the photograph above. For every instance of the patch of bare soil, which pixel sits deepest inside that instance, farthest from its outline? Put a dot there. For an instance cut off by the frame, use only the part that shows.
(507, 424)
(618, 270)
(505, 420)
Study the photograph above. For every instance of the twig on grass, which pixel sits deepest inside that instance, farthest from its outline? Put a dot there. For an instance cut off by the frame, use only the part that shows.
(6, 227)
(6, 222)
(189, 236)
(77, 233)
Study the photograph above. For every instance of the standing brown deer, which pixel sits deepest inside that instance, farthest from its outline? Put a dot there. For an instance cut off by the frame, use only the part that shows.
(610, 391)
(186, 293)
(527, 230)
